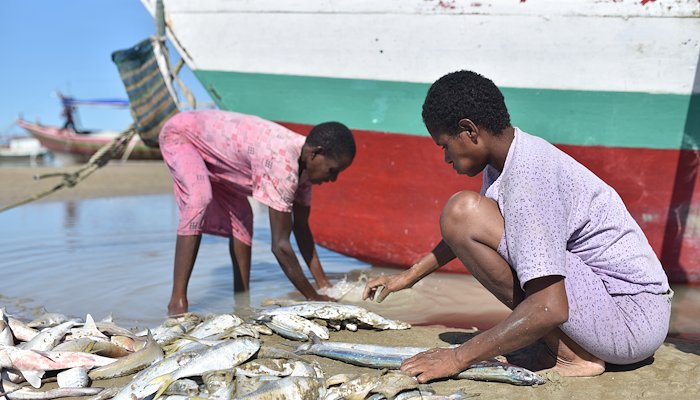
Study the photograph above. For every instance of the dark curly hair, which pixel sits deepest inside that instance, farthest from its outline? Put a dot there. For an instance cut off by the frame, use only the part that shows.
(465, 94)
(335, 138)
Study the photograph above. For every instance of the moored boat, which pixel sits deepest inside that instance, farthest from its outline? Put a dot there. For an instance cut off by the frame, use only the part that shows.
(609, 82)
(80, 147)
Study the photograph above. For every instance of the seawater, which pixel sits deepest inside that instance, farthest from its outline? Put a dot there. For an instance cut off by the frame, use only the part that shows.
(114, 256)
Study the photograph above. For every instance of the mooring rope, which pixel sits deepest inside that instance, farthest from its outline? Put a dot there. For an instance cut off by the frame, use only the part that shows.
(96, 161)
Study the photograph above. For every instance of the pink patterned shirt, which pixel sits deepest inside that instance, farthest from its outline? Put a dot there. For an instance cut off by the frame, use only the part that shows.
(253, 156)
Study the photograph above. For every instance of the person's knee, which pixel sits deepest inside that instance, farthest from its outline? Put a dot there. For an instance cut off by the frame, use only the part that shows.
(459, 210)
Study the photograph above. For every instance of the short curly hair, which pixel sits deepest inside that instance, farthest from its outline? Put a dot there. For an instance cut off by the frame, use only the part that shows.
(465, 94)
(335, 138)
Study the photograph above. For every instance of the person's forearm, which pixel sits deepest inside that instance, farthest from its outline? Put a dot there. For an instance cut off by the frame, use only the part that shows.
(528, 322)
(441, 255)
(307, 248)
(291, 268)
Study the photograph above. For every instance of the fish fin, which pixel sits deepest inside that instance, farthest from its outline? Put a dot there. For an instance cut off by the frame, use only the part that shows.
(314, 338)
(164, 381)
(33, 377)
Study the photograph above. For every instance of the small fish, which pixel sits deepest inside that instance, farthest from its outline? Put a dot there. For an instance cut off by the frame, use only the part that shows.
(27, 393)
(216, 325)
(49, 337)
(20, 330)
(385, 385)
(182, 387)
(278, 367)
(219, 385)
(291, 387)
(132, 363)
(73, 377)
(47, 320)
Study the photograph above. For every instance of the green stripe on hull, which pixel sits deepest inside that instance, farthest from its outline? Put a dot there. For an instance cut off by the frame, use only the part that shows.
(575, 117)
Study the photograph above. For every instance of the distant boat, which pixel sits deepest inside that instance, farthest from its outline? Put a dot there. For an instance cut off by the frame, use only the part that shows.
(79, 145)
(22, 148)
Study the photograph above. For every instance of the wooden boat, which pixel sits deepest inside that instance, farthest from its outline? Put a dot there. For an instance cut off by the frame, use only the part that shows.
(608, 81)
(80, 147)
(68, 142)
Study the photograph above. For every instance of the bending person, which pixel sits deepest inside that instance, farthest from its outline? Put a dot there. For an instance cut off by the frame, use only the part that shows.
(546, 236)
(218, 159)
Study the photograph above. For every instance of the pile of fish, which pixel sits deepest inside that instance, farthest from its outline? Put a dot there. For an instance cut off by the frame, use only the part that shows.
(214, 357)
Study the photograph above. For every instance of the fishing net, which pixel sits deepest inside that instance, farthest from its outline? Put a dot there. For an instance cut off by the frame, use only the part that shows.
(143, 68)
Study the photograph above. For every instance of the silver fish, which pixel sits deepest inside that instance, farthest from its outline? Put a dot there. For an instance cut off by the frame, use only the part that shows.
(339, 312)
(27, 393)
(222, 356)
(291, 387)
(391, 357)
(141, 385)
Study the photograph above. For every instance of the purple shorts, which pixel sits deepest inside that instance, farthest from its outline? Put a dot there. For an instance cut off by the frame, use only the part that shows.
(618, 329)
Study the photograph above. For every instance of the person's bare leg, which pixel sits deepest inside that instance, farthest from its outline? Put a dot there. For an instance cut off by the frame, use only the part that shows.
(240, 259)
(186, 248)
(472, 226)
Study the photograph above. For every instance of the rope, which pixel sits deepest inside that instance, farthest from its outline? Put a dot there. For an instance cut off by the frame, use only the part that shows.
(96, 161)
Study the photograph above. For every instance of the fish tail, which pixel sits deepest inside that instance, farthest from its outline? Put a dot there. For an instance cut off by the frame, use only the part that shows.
(164, 381)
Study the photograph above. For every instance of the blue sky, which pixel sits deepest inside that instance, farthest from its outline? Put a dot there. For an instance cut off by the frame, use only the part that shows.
(66, 45)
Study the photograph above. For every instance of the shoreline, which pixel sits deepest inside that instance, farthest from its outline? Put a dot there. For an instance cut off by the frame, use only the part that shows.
(114, 179)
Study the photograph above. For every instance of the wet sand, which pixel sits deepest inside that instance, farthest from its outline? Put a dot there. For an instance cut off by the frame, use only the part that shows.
(672, 374)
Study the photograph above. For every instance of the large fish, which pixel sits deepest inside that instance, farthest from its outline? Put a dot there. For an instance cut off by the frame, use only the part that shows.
(226, 355)
(32, 364)
(49, 337)
(391, 357)
(141, 386)
(338, 312)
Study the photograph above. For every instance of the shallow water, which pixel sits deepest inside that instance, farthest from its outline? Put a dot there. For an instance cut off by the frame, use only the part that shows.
(114, 256)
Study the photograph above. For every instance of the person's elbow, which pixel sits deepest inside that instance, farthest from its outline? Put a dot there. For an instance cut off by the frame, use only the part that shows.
(555, 315)
(282, 249)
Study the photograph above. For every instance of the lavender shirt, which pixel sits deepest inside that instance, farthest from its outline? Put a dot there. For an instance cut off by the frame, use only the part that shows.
(552, 204)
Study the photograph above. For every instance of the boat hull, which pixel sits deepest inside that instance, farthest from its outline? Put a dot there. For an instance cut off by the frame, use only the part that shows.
(385, 208)
(621, 98)
(80, 147)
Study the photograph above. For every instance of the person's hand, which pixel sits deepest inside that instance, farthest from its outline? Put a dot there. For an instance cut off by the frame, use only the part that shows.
(432, 364)
(378, 288)
(323, 284)
(321, 297)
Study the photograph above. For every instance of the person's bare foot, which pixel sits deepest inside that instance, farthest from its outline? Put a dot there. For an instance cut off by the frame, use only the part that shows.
(177, 307)
(538, 357)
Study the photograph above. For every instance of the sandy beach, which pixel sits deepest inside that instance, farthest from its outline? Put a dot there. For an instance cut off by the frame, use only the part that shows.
(673, 373)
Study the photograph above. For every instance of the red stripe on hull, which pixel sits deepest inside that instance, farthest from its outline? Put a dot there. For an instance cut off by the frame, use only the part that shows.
(385, 208)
